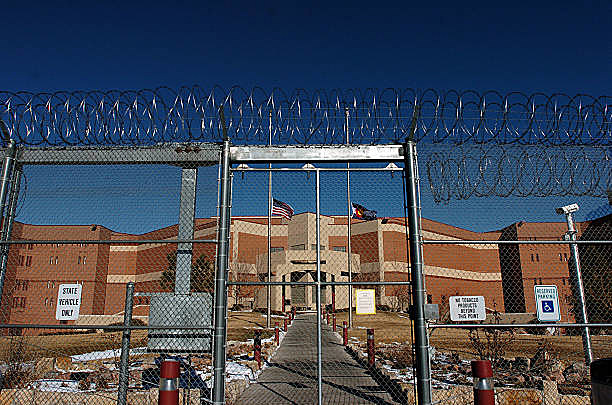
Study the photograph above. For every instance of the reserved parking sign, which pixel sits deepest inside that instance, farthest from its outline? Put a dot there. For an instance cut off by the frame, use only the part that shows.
(547, 303)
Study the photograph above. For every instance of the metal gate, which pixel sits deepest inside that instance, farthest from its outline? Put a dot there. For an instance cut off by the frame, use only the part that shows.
(297, 264)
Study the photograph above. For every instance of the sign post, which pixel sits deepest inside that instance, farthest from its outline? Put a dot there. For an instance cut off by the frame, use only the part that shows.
(467, 308)
(68, 302)
(547, 303)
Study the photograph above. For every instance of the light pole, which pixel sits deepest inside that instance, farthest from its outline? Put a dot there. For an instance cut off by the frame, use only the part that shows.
(574, 266)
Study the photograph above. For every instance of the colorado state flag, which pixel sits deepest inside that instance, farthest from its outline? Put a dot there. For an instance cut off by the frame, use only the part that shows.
(361, 212)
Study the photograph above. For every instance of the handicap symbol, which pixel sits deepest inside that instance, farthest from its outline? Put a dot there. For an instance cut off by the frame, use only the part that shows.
(547, 306)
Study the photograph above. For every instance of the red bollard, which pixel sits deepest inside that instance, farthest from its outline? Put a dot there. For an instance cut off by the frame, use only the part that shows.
(333, 299)
(344, 334)
(482, 372)
(257, 348)
(169, 382)
(370, 335)
(276, 334)
(285, 324)
(334, 321)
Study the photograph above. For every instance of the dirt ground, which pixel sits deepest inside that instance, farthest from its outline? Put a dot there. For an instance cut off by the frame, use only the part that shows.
(388, 328)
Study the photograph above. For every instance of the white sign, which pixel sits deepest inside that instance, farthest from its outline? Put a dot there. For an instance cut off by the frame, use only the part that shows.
(467, 308)
(365, 301)
(68, 302)
(547, 303)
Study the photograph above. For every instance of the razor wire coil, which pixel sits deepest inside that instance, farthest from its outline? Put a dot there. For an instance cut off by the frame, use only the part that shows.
(375, 116)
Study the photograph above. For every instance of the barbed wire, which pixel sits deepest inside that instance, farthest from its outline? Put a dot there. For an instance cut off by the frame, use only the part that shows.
(375, 116)
(463, 172)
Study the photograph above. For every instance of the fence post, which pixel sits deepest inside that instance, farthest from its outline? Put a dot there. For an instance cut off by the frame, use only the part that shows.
(220, 281)
(423, 372)
(483, 382)
(7, 175)
(334, 321)
(169, 373)
(574, 267)
(285, 324)
(124, 363)
(371, 353)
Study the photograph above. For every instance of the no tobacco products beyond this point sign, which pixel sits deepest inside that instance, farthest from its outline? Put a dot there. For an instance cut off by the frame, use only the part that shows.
(467, 308)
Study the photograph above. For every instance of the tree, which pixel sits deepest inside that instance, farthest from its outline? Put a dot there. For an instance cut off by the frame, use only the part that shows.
(202, 274)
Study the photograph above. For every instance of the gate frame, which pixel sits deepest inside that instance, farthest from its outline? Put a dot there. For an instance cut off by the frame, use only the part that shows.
(346, 154)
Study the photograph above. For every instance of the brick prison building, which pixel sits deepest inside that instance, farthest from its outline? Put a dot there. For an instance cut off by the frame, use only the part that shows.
(504, 274)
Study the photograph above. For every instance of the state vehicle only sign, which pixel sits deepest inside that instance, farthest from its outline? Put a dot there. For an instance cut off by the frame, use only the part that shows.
(547, 303)
(467, 308)
(68, 302)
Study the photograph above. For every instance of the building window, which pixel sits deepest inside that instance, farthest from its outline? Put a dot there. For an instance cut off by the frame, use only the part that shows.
(429, 299)
(272, 249)
(532, 257)
(560, 257)
(23, 302)
(21, 260)
(51, 260)
(48, 284)
(55, 260)
(565, 256)
(28, 262)
(339, 248)
(46, 302)
(537, 257)
(563, 279)
(79, 260)
(30, 246)
(84, 259)
(298, 247)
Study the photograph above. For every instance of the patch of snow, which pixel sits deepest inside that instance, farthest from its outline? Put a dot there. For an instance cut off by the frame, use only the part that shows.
(235, 371)
(56, 385)
(105, 354)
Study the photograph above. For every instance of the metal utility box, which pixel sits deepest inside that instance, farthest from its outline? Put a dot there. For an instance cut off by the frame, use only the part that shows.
(180, 310)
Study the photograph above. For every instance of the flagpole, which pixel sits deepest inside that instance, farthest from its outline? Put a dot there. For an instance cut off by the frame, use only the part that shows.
(269, 288)
(350, 211)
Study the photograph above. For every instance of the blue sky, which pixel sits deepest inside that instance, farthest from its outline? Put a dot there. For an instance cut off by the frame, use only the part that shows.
(531, 47)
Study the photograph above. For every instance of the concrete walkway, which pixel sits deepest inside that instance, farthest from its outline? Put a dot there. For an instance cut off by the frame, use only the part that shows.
(291, 377)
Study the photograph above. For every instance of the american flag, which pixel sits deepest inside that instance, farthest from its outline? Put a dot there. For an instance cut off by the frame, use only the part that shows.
(281, 208)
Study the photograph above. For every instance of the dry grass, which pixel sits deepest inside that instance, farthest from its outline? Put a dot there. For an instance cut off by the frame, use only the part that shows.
(388, 328)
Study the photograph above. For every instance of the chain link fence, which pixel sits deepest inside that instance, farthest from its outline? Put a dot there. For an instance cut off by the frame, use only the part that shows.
(373, 281)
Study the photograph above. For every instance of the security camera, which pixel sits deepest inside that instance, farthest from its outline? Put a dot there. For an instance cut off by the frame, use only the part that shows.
(568, 209)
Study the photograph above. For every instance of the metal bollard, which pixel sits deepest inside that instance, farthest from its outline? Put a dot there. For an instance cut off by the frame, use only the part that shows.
(344, 334)
(257, 348)
(285, 324)
(334, 321)
(276, 334)
(370, 335)
(169, 382)
(482, 372)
